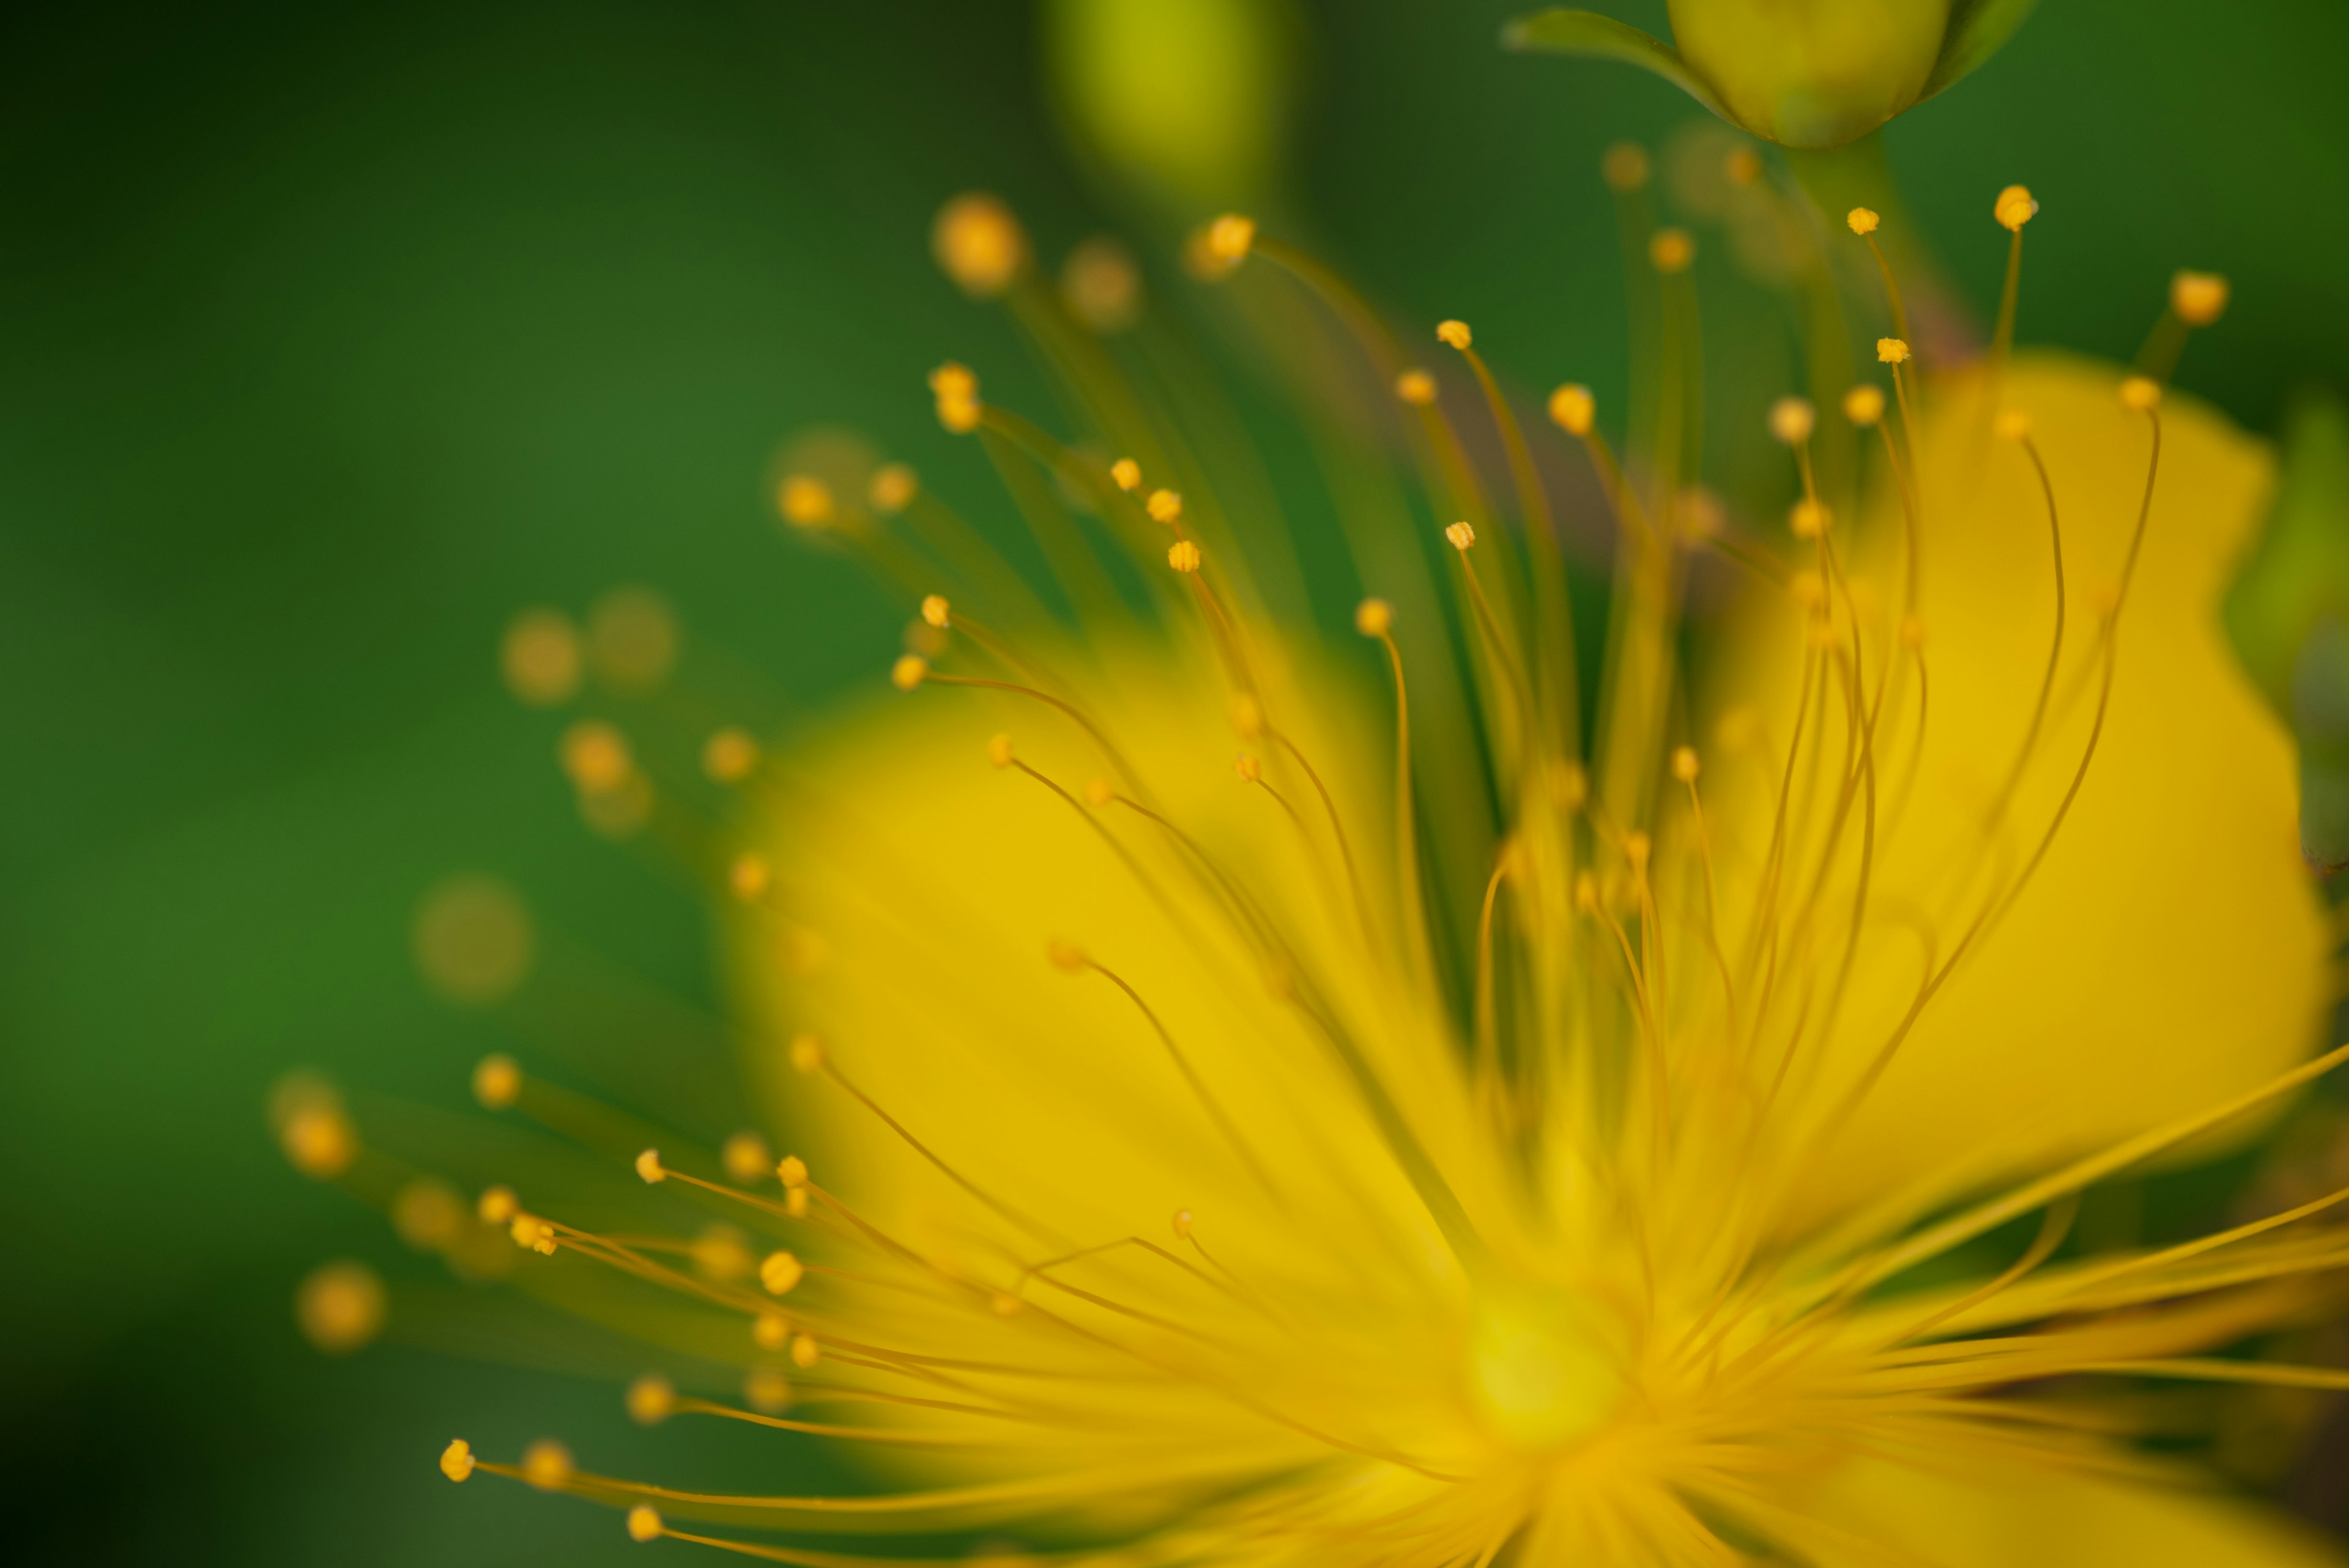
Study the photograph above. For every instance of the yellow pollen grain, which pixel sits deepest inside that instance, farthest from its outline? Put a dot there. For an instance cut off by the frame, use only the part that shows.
(1624, 167)
(457, 1459)
(339, 1307)
(497, 1205)
(1572, 408)
(771, 1331)
(1164, 506)
(1671, 250)
(807, 1053)
(497, 1081)
(1454, 333)
(644, 1523)
(1792, 420)
(909, 671)
(1891, 351)
(780, 1273)
(729, 755)
(1183, 555)
(998, 751)
(1415, 387)
(1864, 405)
(2200, 298)
(1863, 220)
(648, 1167)
(805, 1351)
(978, 243)
(746, 1157)
(546, 1464)
(2015, 207)
(540, 658)
(1127, 474)
(651, 1401)
(2140, 392)
(749, 876)
(767, 1391)
(1230, 238)
(805, 501)
(1684, 763)
(936, 611)
(1374, 618)
(893, 488)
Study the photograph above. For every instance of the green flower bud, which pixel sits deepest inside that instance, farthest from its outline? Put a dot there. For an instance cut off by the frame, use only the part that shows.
(1812, 73)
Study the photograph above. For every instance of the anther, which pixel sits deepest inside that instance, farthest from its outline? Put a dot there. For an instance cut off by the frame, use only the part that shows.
(1230, 238)
(729, 755)
(497, 1081)
(648, 1167)
(319, 1141)
(780, 1273)
(1454, 333)
(497, 1205)
(935, 610)
(1248, 767)
(1891, 351)
(1624, 167)
(531, 1234)
(644, 1523)
(339, 1307)
(457, 1459)
(792, 1171)
(1183, 1223)
(1066, 957)
(909, 671)
(546, 1464)
(1863, 404)
(893, 489)
(805, 501)
(1791, 421)
(1126, 474)
(1099, 791)
(767, 1391)
(2011, 424)
(1183, 555)
(1246, 714)
(1165, 506)
(805, 1351)
(1684, 763)
(998, 751)
(1671, 250)
(1863, 220)
(1572, 408)
(1807, 519)
(2200, 298)
(2014, 208)
(652, 1400)
(1637, 846)
(978, 243)
(427, 1214)
(1374, 618)
(807, 1054)
(1461, 536)
(2140, 392)
(749, 876)
(596, 757)
(1415, 387)
(746, 1157)
(771, 1331)
(956, 390)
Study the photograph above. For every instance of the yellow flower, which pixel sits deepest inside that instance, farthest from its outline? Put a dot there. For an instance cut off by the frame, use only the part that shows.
(1254, 1100)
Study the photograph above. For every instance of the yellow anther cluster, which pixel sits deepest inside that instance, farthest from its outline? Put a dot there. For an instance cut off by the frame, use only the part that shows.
(746, 1157)
(320, 1141)
(781, 1273)
(807, 1053)
(936, 611)
(532, 1234)
(1863, 404)
(1791, 421)
(1415, 387)
(998, 751)
(497, 1081)
(1455, 333)
(1624, 167)
(978, 243)
(2200, 298)
(1461, 536)
(1247, 766)
(644, 1523)
(2011, 424)
(1165, 506)
(1127, 474)
(497, 1205)
(340, 1307)
(649, 1166)
(1891, 351)
(909, 671)
(1863, 220)
(1572, 408)
(792, 1171)
(596, 757)
(541, 657)
(1807, 519)
(1101, 286)
(1230, 238)
(749, 876)
(651, 1401)
(892, 489)
(1671, 250)
(805, 501)
(1684, 763)
(457, 1459)
(1183, 555)
(546, 1464)
(2015, 207)
(2140, 392)
(956, 391)
(729, 755)
(1374, 618)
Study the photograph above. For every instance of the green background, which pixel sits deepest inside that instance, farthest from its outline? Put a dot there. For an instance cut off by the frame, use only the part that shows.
(329, 335)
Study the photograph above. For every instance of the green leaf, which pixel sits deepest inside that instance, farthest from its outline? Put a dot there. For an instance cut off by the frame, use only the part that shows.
(1978, 29)
(1594, 36)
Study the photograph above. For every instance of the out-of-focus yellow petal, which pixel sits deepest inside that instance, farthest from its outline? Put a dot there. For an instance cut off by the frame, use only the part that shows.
(2050, 1516)
(2168, 950)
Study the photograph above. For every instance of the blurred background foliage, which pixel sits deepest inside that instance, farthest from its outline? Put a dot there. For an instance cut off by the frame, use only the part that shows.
(331, 335)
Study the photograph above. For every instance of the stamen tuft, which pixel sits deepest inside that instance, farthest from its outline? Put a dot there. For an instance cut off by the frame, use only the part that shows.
(1165, 506)
(1126, 474)
(339, 1307)
(1792, 420)
(1415, 387)
(1572, 408)
(1807, 519)
(935, 610)
(652, 1400)
(497, 1205)
(746, 1157)
(1248, 767)
(792, 1171)
(2141, 393)
(1684, 763)
(1671, 250)
(546, 1464)
(1183, 555)
(541, 657)
(771, 1331)
(1100, 791)
(1864, 405)
(1183, 1223)
(2200, 298)
(1863, 220)
(768, 1391)
(457, 1459)
(805, 1351)
(1230, 238)
(497, 1081)
(644, 1523)
(2011, 424)
(648, 1168)
(780, 1273)
(1744, 166)
(1373, 617)
(909, 671)
(956, 390)
(1461, 535)
(805, 501)
(2015, 207)
(1454, 333)
(978, 243)
(1891, 351)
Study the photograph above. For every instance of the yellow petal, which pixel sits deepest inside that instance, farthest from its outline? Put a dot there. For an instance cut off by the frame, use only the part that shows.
(2167, 951)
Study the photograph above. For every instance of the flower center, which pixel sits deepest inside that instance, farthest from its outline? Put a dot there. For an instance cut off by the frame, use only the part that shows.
(1542, 1367)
